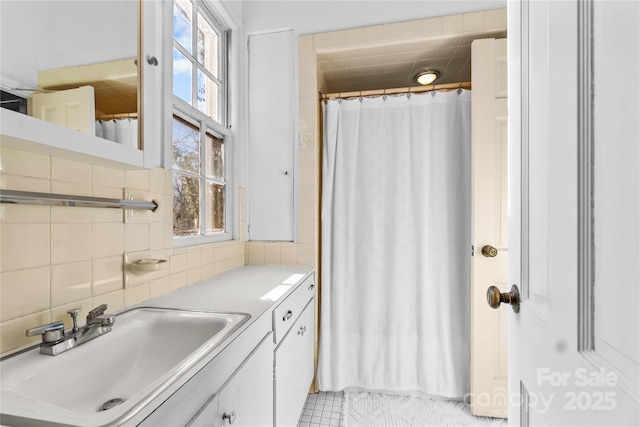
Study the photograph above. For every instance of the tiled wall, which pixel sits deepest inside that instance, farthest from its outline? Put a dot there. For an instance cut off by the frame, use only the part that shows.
(389, 55)
(305, 251)
(56, 258)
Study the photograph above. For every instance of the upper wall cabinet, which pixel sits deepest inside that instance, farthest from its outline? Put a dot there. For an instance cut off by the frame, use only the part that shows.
(91, 73)
(271, 136)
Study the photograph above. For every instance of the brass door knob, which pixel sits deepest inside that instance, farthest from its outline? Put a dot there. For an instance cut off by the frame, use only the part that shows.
(489, 251)
(495, 297)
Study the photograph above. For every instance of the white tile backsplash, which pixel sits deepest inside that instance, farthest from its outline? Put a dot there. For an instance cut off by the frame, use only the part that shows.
(24, 291)
(23, 163)
(106, 275)
(70, 171)
(24, 213)
(70, 282)
(70, 242)
(136, 237)
(54, 259)
(108, 239)
(25, 245)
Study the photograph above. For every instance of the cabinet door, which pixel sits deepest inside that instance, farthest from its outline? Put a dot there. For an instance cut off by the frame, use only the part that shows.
(151, 81)
(209, 415)
(294, 369)
(271, 136)
(247, 399)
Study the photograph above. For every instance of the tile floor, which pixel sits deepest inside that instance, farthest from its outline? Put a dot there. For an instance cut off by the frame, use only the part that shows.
(322, 409)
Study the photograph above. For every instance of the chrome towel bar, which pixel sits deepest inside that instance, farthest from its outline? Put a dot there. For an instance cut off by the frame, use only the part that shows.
(47, 199)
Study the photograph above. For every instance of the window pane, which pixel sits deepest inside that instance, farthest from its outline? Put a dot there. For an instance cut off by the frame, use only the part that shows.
(214, 161)
(215, 207)
(207, 46)
(182, 72)
(186, 146)
(182, 27)
(208, 96)
(186, 205)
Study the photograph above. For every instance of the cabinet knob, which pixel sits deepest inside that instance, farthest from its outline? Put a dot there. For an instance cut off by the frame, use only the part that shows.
(302, 330)
(152, 60)
(311, 287)
(231, 417)
(287, 316)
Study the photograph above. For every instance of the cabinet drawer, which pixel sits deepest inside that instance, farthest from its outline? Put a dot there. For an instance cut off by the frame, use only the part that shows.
(286, 314)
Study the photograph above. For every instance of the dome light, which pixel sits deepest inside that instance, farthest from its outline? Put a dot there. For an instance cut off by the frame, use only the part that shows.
(426, 77)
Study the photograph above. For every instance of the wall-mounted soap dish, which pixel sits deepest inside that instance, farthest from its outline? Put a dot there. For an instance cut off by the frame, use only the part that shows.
(148, 264)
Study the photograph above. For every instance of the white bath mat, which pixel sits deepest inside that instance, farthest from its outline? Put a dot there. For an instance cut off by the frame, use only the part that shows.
(372, 409)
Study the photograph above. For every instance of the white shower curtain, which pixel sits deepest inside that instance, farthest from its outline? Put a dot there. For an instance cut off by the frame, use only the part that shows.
(396, 244)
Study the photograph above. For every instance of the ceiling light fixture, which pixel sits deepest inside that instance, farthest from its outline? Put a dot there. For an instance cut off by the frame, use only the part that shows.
(426, 77)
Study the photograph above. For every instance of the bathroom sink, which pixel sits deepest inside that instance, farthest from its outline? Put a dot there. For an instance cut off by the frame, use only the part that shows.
(147, 351)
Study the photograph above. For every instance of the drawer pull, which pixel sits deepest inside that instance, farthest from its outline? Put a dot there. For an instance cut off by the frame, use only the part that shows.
(302, 330)
(311, 287)
(231, 417)
(287, 316)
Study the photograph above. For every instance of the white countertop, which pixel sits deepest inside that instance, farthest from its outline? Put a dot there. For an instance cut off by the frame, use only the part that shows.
(237, 290)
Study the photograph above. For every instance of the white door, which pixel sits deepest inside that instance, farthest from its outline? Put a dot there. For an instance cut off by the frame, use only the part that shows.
(489, 265)
(574, 158)
(71, 108)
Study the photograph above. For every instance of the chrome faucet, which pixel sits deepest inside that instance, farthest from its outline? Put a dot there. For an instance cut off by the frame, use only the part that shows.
(55, 340)
(98, 311)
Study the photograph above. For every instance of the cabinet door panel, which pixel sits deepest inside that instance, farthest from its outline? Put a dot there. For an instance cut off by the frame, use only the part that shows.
(209, 417)
(151, 82)
(271, 136)
(294, 369)
(249, 393)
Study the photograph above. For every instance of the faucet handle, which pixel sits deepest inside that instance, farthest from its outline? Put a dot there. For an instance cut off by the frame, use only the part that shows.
(51, 332)
(74, 316)
(98, 311)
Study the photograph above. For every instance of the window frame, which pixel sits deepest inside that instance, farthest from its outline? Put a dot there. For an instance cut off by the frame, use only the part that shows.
(205, 124)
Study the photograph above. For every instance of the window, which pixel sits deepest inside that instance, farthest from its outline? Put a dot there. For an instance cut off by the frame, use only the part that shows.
(199, 154)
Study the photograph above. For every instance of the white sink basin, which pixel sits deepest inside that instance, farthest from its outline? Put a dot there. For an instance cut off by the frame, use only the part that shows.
(147, 351)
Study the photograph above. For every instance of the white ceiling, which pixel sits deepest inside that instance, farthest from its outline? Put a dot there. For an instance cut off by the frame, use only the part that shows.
(388, 56)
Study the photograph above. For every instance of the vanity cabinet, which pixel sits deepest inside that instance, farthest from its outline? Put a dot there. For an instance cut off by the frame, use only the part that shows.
(294, 336)
(262, 378)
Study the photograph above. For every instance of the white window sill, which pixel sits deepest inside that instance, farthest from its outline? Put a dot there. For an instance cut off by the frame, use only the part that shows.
(182, 242)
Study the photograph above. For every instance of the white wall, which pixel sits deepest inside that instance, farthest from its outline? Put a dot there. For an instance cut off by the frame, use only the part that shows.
(315, 16)
(235, 6)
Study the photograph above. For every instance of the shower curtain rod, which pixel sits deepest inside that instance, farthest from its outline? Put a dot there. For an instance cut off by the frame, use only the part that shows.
(397, 90)
(117, 116)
